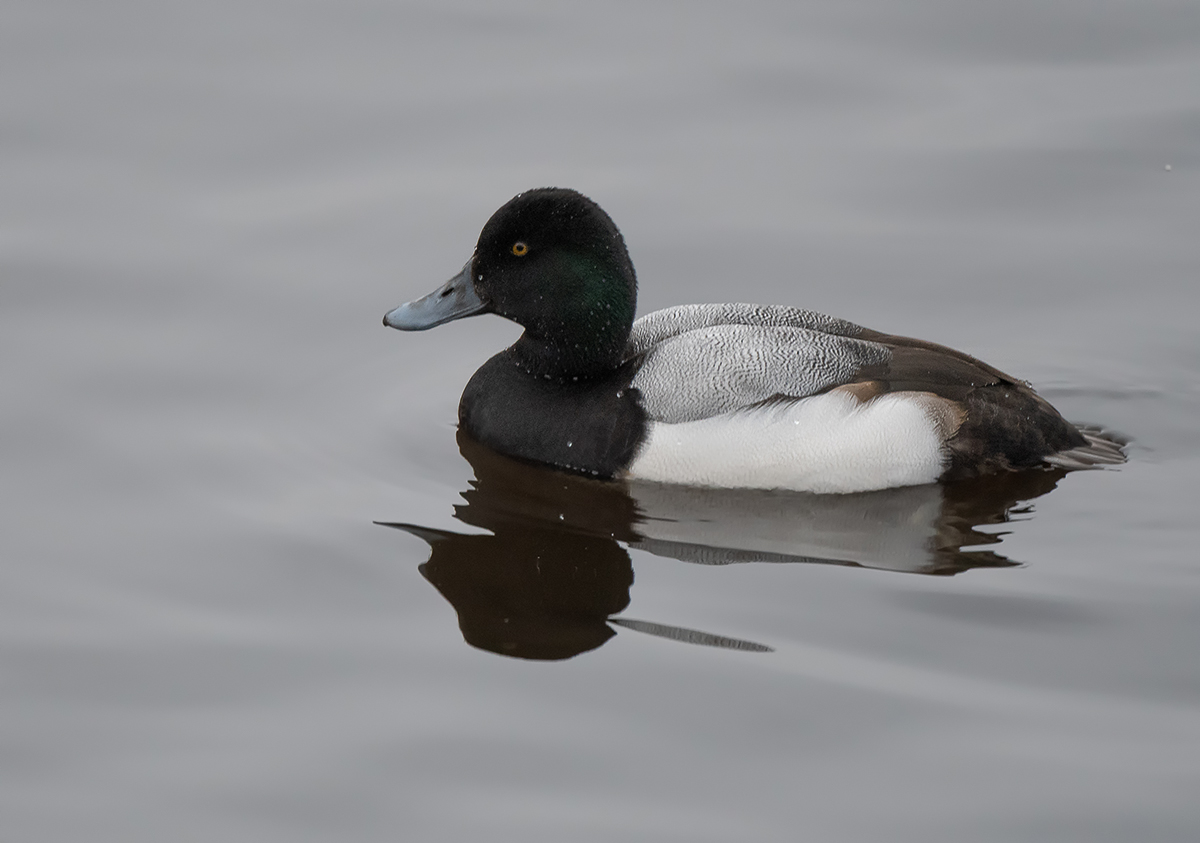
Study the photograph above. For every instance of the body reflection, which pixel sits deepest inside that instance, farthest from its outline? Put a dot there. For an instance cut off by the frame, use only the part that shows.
(538, 592)
(547, 581)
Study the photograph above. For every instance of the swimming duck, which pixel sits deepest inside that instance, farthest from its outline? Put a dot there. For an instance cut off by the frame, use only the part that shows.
(723, 395)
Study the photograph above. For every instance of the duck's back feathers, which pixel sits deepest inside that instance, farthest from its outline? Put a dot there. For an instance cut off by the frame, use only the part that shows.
(699, 361)
(719, 369)
(661, 325)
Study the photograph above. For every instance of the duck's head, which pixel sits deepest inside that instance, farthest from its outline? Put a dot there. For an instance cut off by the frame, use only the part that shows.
(552, 261)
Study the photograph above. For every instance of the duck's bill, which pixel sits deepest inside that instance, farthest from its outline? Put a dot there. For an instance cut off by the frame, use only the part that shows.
(453, 300)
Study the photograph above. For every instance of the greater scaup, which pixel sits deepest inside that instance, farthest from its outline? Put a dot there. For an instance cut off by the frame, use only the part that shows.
(727, 395)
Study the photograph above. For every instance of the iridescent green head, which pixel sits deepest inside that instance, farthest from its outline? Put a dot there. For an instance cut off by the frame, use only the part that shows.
(553, 261)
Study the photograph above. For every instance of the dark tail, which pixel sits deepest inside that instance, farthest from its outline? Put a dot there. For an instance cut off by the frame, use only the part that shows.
(1104, 447)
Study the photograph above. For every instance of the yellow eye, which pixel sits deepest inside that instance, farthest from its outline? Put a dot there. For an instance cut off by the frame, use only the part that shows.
(519, 248)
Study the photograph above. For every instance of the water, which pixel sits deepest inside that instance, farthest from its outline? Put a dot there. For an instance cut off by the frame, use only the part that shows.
(206, 210)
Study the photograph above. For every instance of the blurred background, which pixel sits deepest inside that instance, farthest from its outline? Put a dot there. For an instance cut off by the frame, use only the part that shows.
(205, 211)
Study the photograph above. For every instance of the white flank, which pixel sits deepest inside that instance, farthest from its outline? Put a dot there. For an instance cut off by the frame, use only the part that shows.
(829, 443)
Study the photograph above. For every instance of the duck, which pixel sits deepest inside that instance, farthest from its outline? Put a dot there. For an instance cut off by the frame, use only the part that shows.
(725, 395)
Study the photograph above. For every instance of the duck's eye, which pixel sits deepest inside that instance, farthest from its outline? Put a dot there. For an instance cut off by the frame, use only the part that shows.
(519, 248)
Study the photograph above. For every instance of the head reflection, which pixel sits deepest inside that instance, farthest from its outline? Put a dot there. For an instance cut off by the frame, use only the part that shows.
(548, 580)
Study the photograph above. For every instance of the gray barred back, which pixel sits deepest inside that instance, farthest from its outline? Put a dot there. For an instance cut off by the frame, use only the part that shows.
(706, 360)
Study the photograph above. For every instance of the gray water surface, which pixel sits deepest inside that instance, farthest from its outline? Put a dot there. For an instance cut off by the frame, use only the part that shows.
(203, 635)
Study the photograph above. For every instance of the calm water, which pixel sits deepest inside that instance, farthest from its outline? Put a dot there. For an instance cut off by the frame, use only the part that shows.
(206, 209)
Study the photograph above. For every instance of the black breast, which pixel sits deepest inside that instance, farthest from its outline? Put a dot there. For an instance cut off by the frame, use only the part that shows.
(590, 427)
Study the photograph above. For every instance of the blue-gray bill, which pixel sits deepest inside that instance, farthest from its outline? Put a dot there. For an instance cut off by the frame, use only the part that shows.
(453, 300)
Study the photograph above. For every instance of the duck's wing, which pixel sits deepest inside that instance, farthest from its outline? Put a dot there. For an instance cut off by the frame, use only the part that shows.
(705, 360)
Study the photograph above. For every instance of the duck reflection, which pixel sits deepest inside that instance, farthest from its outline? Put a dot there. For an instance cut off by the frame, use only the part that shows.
(549, 579)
